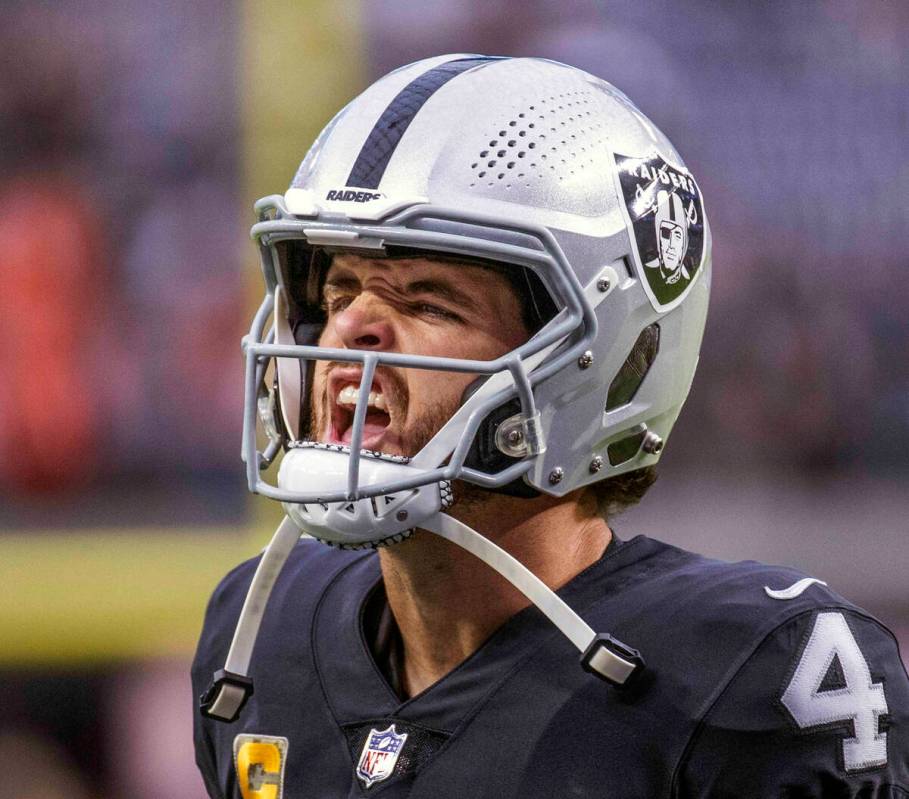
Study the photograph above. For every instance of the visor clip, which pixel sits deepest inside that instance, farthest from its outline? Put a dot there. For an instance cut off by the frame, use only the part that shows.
(612, 661)
(226, 696)
(519, 436)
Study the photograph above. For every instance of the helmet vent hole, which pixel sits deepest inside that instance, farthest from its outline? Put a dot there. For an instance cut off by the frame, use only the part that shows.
(632, 373)
(578, 142)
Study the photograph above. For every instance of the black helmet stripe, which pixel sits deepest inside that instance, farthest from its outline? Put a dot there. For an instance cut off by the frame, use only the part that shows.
(380, 145)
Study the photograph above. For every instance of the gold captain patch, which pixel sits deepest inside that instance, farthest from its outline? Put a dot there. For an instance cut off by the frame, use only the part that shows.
(259, 763)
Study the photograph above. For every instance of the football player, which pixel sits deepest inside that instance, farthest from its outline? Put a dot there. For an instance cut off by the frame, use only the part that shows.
(467, 363)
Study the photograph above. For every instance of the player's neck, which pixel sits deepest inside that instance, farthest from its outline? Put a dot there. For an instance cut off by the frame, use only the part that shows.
(446, 602)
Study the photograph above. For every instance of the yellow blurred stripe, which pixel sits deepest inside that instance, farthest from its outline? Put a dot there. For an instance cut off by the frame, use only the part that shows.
(302, 62)
(90, 597)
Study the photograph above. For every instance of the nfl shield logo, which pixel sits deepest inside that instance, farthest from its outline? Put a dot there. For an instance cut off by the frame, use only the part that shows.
(380, 754)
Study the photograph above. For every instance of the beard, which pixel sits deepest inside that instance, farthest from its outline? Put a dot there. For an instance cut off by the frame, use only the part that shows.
(426, 426)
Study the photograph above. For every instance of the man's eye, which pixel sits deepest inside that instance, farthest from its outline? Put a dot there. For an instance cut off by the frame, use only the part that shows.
(337, 304)
(428, 309)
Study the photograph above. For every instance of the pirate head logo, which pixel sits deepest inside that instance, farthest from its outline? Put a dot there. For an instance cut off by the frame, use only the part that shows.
(663, 206)
(672, 237)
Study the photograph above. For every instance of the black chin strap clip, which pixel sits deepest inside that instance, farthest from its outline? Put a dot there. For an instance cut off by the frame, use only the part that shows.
(226, 696)
(612, 661)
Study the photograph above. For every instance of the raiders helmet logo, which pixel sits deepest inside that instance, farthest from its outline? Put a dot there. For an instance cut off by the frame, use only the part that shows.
(664, 208)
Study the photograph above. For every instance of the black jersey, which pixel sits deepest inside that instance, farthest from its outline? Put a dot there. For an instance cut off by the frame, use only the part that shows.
(759, 683)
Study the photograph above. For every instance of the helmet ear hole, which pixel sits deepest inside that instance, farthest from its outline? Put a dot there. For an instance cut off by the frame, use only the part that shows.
(632, 373)
(626, 448)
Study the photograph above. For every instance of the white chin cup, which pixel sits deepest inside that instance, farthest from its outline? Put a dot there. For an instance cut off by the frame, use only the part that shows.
(323, 469)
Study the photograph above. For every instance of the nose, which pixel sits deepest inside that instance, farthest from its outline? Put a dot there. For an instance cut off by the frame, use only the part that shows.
(365, 324)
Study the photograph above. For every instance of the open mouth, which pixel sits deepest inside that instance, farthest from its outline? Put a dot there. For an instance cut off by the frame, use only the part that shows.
(344, 404)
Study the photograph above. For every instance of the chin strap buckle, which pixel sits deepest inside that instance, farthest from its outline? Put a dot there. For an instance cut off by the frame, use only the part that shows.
(226, 696)
(611, 660)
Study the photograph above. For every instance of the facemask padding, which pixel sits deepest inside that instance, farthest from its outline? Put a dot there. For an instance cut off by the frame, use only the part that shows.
(290, 381)
(299, 319)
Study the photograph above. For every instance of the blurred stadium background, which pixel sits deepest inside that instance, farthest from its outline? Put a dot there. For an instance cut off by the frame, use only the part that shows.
(134, 137)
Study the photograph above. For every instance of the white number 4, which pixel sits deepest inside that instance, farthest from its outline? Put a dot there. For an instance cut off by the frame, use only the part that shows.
(860, 700)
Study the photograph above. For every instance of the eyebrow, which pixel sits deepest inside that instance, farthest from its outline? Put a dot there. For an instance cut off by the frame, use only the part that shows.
(437, 288)
(341, 281)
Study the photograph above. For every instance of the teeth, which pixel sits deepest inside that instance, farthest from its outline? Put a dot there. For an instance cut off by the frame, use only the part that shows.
(349, 396)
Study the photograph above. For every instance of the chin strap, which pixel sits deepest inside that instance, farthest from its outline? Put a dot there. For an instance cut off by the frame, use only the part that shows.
(231, 686)
(601, 654)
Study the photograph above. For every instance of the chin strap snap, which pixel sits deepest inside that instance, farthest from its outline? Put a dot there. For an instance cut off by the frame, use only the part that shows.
(602, 654)
(231, 686)
(225, 697)
(615, 662)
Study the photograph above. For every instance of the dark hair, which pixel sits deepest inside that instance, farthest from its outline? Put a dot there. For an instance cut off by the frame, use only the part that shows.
(616, 494)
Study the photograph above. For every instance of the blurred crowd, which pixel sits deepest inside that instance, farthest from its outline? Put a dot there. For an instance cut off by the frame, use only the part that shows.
(121, 292)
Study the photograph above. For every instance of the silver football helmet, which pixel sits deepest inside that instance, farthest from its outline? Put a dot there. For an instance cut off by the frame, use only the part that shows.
(538, 167)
